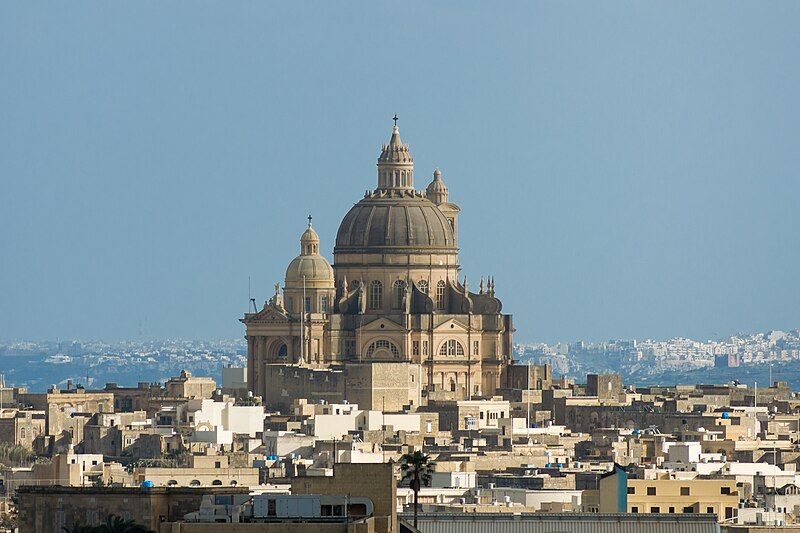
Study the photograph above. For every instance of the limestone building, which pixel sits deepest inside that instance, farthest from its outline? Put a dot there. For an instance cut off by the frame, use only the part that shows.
(392, 304)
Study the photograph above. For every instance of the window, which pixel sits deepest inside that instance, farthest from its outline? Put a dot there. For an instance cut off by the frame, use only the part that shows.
(424, 347)
(423, 286)
(308, 305)
(684, 491)
(216, 482)
(631, 490)
(634, 509)
(688, 510)
(375, 298)
(384, 345)
(655, 509)
(651, 491)
(671, 510)
(451, 348)
(398, 293)
(323, 304)
(725, 490)
(710, 510)
(415, 347)
(440, 296)
(282, 351)
(474, 347)
(217, 464)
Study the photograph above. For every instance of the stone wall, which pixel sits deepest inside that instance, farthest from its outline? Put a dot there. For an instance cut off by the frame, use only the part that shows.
(374, 481)
(48, 509)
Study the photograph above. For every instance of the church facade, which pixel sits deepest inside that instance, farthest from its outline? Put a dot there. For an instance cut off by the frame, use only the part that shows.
(391, 314)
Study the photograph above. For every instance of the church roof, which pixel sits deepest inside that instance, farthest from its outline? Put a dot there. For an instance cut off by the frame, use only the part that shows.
(394, 220)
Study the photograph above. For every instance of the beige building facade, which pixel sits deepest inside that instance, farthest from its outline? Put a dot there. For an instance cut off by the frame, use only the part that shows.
(392, 295)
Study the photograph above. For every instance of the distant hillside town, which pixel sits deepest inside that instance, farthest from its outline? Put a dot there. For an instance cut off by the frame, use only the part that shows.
(40, 364)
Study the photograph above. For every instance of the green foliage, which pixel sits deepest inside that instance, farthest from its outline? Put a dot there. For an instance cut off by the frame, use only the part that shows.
(113, 524)
(8, 521)
(16, 454)
(417, 468)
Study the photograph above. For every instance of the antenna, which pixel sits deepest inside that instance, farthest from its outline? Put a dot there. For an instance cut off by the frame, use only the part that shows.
(251, 300)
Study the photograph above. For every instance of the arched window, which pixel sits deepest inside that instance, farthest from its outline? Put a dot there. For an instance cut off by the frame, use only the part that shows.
(194, 483)
(323, 303)
(423, 285)
(440, 296)
(216, 482)
(398, 292)
(375, 299)
(282, 352)
(383, 345)
(451, 348)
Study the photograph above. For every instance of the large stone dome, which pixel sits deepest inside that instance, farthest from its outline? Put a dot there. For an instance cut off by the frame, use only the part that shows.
(386, 221)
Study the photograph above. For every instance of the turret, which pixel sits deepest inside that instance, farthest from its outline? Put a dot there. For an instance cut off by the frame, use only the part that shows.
(437, 193)
(395, 164)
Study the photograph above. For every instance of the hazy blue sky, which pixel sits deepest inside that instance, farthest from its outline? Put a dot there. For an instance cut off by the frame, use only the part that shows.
(624, 169)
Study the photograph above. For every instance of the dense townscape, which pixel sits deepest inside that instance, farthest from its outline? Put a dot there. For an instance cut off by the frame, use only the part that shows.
(383, 393)
(544, 445)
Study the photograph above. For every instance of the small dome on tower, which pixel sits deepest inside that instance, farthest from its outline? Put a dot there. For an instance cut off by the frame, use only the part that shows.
(437, 190)
(310, 265)
(309, 240)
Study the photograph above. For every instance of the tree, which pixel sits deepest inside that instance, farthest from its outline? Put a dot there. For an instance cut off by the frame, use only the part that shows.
(417, 468)
(113, 524)
(117, 524)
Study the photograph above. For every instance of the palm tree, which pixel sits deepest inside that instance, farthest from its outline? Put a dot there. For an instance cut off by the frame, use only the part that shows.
(417, 468)
(117, 524)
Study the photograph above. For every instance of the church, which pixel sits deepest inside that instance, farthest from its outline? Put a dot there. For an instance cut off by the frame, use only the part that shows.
(390, 323)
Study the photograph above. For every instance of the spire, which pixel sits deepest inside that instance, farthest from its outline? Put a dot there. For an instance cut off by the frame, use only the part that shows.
(395, 164)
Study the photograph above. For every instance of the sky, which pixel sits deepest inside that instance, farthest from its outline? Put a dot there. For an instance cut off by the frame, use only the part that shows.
(624, 169)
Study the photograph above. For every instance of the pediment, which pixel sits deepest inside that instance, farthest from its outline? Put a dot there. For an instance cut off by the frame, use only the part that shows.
(451, 325)
(268, 314)
(382, 324)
